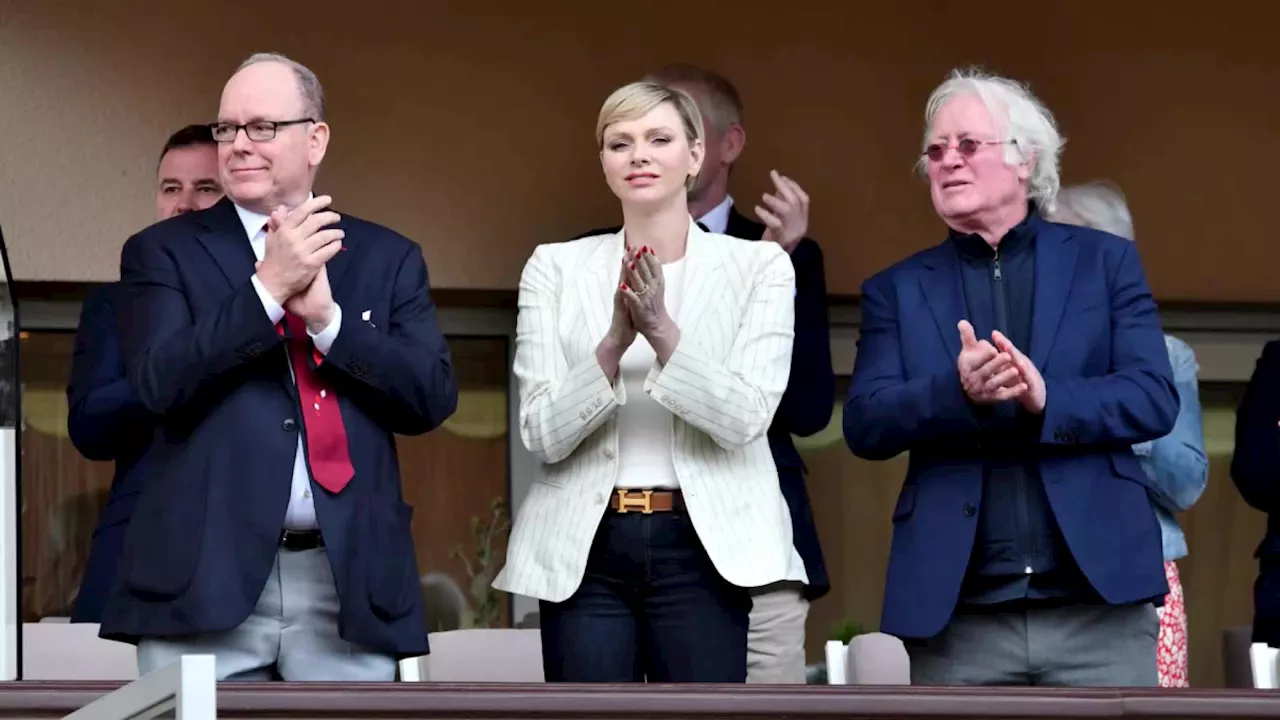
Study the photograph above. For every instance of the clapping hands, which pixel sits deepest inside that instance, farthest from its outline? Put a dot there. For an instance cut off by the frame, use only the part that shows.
(995, 371)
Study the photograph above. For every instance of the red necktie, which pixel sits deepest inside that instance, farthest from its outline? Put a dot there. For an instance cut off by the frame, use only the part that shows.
(327, 453)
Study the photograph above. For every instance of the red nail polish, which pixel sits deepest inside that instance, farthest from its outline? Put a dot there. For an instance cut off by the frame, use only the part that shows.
(623, 286)
(651, 252)
(633, 266)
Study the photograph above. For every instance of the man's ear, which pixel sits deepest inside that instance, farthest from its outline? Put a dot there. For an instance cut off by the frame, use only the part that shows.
(317, 143)
(732, 144)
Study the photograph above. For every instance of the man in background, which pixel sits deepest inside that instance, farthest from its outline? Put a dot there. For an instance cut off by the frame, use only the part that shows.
(775, 641)
(104, 419)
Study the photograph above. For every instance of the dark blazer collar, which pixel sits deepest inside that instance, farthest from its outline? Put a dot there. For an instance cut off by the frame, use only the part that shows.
(1020, 237)
(223, 236)
(1055, 267)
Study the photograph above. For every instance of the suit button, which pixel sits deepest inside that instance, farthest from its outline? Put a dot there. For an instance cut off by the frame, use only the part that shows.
(608, 453)
(970, 509)
(289, 425)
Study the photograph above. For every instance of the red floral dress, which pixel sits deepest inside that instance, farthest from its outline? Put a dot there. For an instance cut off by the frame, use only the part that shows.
(1171, 658)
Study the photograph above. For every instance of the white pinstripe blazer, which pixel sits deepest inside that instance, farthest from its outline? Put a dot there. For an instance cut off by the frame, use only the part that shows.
(722, 385)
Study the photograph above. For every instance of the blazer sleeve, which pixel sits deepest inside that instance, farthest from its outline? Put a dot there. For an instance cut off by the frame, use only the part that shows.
(734, 400)
(402, 374)
(173, 359)
(886, 414)
(560, 404)
(806, 404)
(1136, 400)
(1255, 466)
(1177, 463)
(105, 420)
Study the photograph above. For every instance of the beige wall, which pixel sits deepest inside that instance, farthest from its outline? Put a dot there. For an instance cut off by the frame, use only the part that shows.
(469, 127)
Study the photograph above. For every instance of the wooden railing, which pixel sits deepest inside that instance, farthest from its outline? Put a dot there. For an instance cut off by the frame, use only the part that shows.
(326, 701)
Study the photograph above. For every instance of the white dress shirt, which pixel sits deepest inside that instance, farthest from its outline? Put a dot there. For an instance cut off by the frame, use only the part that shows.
(301, 513)
(717, 218)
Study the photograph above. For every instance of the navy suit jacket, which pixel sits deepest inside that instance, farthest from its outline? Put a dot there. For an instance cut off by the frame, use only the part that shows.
(1255, 469)
(807, 404)
(202, 354)
(106, 422)
(1097, 341)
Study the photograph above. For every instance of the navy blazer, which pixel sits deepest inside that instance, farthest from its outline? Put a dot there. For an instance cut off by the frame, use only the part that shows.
(808, 401)
(202, 354)
(105, 421)
(1097, 341)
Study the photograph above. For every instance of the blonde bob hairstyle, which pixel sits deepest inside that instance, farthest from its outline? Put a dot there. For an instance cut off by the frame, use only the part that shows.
(635, 100)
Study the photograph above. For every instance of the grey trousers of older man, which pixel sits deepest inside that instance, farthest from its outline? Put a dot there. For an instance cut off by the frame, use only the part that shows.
(292, 633)
(1072, 646)
(775, 634)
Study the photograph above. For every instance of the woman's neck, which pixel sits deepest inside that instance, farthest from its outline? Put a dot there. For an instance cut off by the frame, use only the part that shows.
(665, 230)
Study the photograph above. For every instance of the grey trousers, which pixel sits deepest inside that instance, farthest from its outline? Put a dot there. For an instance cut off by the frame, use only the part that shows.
(775, 635)
(1077, 646)
(292, 633)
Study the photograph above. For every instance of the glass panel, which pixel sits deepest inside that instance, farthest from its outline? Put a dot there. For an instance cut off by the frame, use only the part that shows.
(453, 478)
(10, 432)
(457, 480)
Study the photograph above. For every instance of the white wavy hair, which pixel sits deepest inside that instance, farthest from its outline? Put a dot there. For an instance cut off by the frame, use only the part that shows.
(1024, 119)
(1099, 204)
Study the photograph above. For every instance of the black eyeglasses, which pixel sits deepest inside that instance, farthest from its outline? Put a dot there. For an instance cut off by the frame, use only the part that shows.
(258, 130)
(966, 147)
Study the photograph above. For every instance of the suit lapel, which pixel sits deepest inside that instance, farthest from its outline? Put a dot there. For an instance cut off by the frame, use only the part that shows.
(1055, 269)
(224, 239)
(338, 264)
(704, 279)
(940, 284)
(740, 226)
(597, 283)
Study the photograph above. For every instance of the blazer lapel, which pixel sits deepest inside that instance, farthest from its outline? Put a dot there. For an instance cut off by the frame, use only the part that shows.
(225, 241)
(338, 264)
(940, 284)
(1055, 270)
(703, 282)
(597, 283)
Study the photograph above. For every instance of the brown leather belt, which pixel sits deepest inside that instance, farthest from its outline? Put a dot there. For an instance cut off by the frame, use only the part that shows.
(645, 501)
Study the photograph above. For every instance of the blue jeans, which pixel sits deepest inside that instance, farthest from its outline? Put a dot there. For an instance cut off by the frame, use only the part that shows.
(651, 606)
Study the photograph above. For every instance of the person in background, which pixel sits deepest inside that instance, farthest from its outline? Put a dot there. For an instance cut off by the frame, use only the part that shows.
(651, 362)
(1255, 470)
(1016, 362)
(105, 420)
(1176, 463)
(187, 176)
(775, 643)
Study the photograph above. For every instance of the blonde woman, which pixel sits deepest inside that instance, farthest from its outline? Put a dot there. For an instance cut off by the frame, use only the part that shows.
(1176, 463)
(650, 364)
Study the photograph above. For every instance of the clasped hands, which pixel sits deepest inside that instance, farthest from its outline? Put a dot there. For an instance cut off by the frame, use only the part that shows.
(299, 242)
(994, 371)
(639, 304)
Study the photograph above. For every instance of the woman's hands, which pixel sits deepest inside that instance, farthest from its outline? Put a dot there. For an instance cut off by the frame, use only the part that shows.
(644, 293)
(622, 332)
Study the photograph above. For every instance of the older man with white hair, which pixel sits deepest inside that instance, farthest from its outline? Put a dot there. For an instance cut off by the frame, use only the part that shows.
(1017, 362)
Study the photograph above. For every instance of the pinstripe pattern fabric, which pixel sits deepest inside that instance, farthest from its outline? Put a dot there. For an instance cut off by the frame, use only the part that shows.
(722, 385)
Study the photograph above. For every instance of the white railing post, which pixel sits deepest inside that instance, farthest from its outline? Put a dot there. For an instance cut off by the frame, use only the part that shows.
(188, 688)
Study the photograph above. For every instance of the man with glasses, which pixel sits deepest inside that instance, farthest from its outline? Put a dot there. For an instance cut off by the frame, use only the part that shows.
(1017, 362)
(105, 421)
(271, 532)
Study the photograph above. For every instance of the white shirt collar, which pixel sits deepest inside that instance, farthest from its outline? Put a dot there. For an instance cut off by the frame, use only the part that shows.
(716, 219)
(254, 222)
